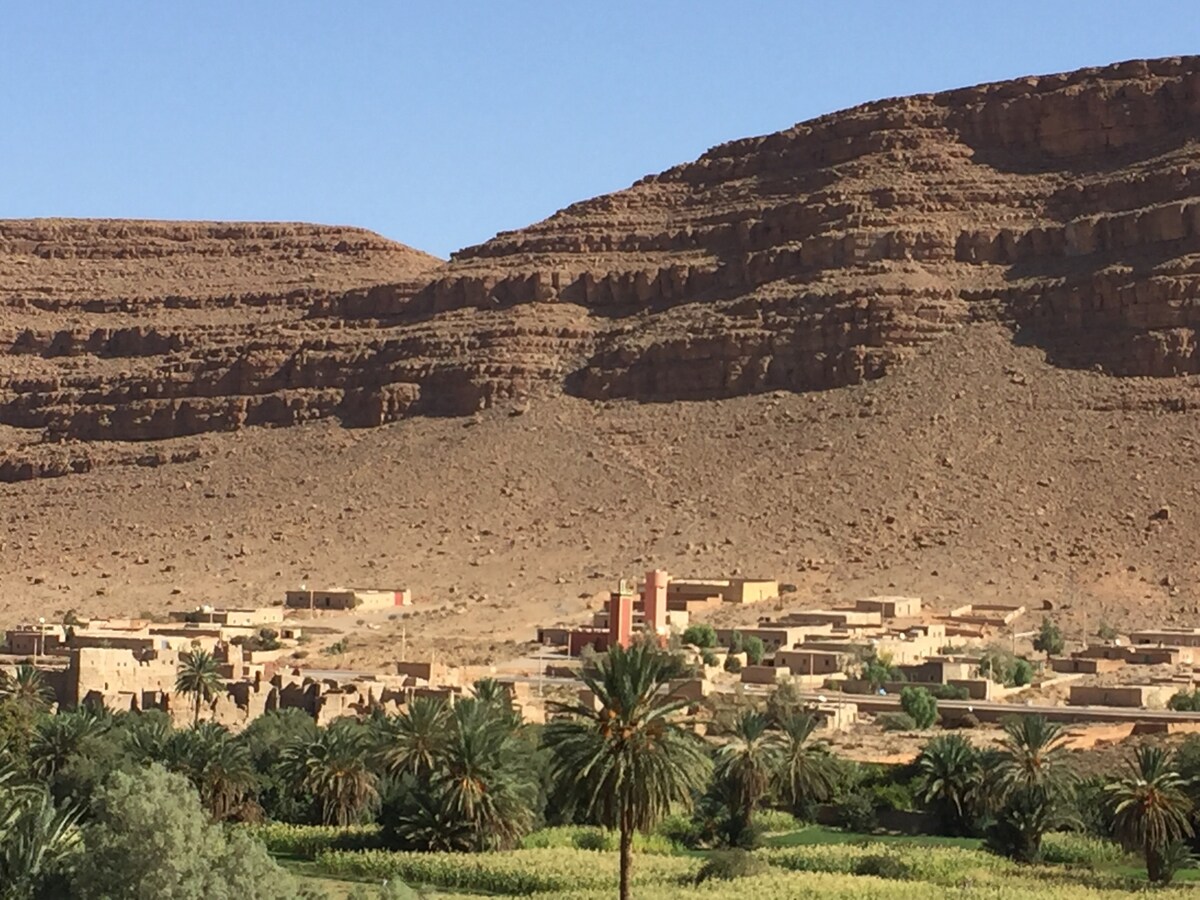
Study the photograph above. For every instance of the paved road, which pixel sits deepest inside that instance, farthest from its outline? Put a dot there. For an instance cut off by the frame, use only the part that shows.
(990, 710)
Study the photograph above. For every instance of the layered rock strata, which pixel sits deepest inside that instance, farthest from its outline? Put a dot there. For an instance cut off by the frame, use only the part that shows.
(1067, 207)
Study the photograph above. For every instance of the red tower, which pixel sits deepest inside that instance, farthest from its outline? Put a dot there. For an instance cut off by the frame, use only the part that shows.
(620, 618)
(654, 601)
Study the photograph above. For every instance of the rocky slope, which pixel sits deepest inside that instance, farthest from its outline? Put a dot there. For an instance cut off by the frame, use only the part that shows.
(1021, 261)
(1066, 207)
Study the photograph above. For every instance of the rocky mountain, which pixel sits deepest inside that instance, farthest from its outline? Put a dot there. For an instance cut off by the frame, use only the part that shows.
(947, 344)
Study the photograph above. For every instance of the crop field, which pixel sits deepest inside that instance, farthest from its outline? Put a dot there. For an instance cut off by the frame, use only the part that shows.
(809, 862)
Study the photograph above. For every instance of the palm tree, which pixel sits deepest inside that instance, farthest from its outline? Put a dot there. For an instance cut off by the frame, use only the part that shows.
(806, 774)
(1032, 755)
(413, 741)
(199, 677)
(948, 772)
(626, 759)
(747, 764)
(35, 838)
(1027, 782)
(218, 766)
(57, 738)
(483, 777)
(1150, 810)
(26, 686)
(333, 768)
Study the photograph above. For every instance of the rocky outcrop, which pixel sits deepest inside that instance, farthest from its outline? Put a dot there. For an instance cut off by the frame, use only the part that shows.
(1067, 207)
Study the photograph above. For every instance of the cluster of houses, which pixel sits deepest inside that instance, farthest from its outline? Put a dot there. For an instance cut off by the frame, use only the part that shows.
(133, 664)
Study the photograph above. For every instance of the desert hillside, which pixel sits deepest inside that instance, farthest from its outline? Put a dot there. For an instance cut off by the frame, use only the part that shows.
(942, 344)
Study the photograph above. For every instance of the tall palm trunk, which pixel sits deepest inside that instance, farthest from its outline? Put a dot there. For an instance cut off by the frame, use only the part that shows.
(1154, 871)
(196, 717)
(626, 853)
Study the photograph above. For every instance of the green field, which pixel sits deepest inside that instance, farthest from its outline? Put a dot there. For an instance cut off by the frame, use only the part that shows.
(807, 862)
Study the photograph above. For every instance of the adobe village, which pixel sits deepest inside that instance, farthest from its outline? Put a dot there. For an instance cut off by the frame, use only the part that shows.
(850, 663)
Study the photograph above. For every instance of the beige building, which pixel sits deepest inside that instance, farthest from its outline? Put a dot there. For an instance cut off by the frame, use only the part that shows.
(250, 617)
(732, 590)
(891, 607)
(361, 599)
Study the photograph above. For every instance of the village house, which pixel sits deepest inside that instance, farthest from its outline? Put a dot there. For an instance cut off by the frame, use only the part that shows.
(360, 599)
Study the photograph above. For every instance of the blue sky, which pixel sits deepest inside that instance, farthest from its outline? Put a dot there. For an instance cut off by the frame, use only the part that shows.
(441, 123)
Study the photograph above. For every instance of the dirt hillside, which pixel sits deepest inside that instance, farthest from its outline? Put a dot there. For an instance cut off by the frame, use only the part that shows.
(942, 344)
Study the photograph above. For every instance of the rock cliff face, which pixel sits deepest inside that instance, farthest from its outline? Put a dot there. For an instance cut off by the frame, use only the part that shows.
(1066, 207)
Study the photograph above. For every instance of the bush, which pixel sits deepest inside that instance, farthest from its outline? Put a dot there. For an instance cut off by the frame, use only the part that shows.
(896, 722)
(855, 812)
(775, 821)
(1022, 673)
(883, 865)
(729, 864)
(1049, 639)
(677, 829)
(949, 691)
(588, 837)
(890, 795)
(1185, 701)
(150, 837)
(966, 720)
(1002, 666)
(754, 650)
(1067, 849)
(737, 642)
(709, 658)
(309, 841)
(733, 663)
(703, 636)
(920, 705)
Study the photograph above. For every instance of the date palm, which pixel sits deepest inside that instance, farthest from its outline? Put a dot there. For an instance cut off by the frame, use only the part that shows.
(806, 773)
(1150, 810)
(217, 765)
(333, 767)
(26, 686)
(57, 738)
(626, 759)
(198, 676)
(34, 838)
(747, 765)
(1032, 755)
(413, 741)
(1028, 781)
(483, 777)
(948, 771)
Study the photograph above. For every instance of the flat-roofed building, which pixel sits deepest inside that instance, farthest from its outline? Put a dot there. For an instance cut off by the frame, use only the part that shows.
(362, 599)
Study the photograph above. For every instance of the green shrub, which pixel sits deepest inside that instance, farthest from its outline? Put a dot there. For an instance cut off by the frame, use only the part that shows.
(703, 636)
(308, 841)
(589, 837)
(949, 691)
(1069, 849)
(754, 650)
(883, 865)
(890, 795)
(920, 705)
(1185, 701)
(726, 865)
(1022, 673)
(775, 821)
(896, 722)
(733, 663)
(855, 812)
